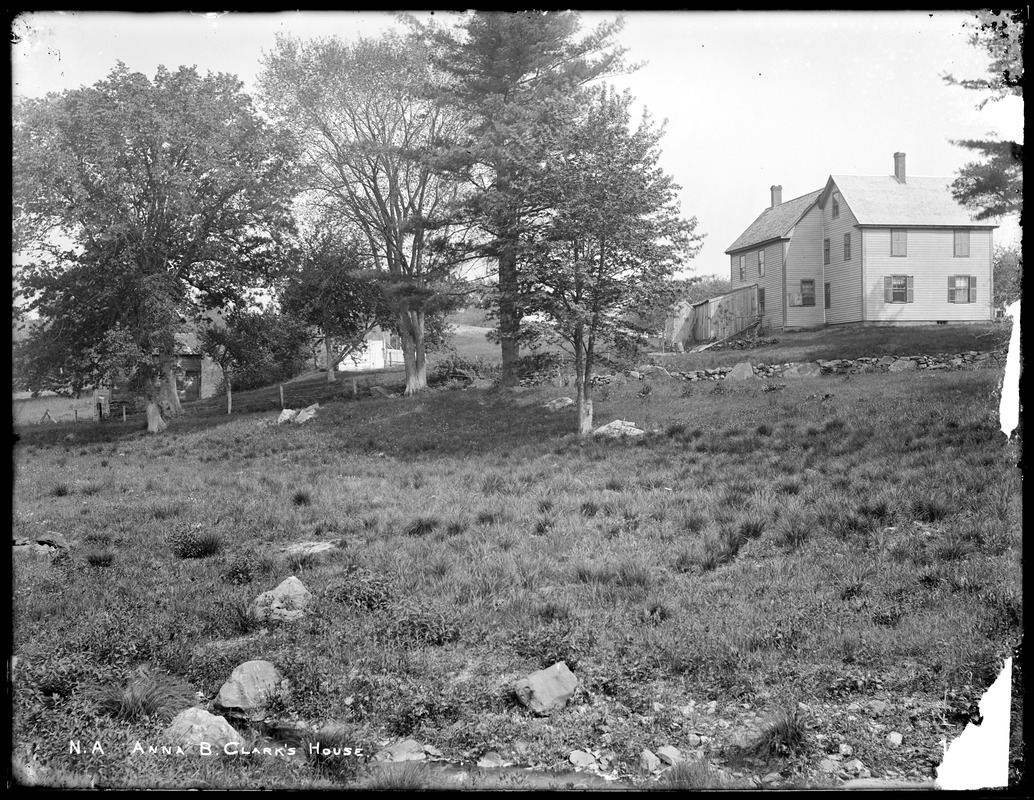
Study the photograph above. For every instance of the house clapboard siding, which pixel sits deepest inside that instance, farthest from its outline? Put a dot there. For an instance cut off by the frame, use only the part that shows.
(929, 262)
(843, 275)
(804, 263)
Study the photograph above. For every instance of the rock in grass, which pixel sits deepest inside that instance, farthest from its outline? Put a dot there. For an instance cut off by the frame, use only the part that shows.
(648, 761)
(408, 750)
(285, 603)
(197, 730)
(558, 403)
(249, 690)
(617, 429)
(582, 759)
(741, 372)
(669, 754)
(894, 739)
(548, 689)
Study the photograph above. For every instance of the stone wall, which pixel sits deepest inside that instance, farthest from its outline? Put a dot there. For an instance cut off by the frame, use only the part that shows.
(971, 359)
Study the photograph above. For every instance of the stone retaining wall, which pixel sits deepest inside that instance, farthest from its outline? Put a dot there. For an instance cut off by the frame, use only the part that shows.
(971, 359)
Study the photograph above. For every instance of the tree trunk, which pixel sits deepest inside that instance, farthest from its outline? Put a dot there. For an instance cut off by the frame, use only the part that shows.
(413, 353)
(155, 421)
(170, 395)
(583, 386)
(509, 320)
(509, 315)
(328, 348)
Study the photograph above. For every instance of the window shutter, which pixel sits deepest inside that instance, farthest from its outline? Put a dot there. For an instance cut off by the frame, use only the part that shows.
(888, 289)
(909, 291)
(951, 288)
(972, 288)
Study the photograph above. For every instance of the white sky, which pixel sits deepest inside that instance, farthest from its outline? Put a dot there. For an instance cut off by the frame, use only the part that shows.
(751, 98)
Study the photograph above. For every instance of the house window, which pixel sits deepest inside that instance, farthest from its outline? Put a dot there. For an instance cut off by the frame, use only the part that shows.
(761, 302)
(961, 244)
(825, 251)
(962, 288)
(827, 296)
(847, 247)
(761, 262)
(743, 267)
(898, 289)
(898, 242)
(807, 293)
(836, 205)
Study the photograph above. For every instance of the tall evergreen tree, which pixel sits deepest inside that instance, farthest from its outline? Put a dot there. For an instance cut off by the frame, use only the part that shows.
(513, 74)
(993, 187)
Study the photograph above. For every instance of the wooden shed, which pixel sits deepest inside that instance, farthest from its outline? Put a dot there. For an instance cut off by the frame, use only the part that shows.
(713, 319)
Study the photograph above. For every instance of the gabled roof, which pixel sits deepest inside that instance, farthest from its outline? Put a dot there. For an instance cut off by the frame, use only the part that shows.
(775, 223)
(883, 200)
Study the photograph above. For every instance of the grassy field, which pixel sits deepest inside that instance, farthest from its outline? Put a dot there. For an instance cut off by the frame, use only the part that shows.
(835, 542)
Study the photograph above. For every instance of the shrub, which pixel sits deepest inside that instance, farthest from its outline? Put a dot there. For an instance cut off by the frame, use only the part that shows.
(195, 542)
(60, 490)
(302, 497)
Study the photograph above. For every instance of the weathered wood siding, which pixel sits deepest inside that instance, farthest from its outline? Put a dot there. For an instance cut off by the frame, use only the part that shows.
(804, 262)
(929, 262)
(843, 276)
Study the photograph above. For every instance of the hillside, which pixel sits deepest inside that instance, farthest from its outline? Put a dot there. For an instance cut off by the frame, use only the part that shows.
(765, 582)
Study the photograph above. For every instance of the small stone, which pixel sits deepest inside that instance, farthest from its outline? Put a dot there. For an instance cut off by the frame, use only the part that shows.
(582, 759)
(846, 750)
(827, 765)
(491, 760)
(894, 739)
(669, 754)
(877, 707)
(693, 740)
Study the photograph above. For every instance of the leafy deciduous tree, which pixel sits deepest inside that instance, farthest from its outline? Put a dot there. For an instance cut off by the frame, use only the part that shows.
(141, 204)
(367, 127)
(335, 293)
(612, 237)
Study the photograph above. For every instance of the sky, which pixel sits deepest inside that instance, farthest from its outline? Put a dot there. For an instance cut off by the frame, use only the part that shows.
(750, 98)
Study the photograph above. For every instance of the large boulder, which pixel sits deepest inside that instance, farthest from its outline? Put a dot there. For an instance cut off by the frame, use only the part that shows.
(547, 690)
(285, 603)
(618, 429)
(198, 731)
(741, 372)
(250, 690)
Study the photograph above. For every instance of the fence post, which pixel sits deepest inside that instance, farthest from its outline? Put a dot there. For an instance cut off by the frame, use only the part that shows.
(123, 413)
(75, 411)
(282, 406)
(355, 388)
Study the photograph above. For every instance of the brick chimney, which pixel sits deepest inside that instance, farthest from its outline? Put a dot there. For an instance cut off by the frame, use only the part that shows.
(777, 195)
(899, 167)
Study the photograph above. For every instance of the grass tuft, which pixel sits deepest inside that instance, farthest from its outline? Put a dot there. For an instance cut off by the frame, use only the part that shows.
(147, 696)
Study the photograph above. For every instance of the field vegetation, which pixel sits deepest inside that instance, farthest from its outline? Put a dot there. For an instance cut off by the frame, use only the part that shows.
(832, 542)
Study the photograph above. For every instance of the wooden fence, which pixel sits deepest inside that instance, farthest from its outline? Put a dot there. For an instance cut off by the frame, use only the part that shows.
(713, 319)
